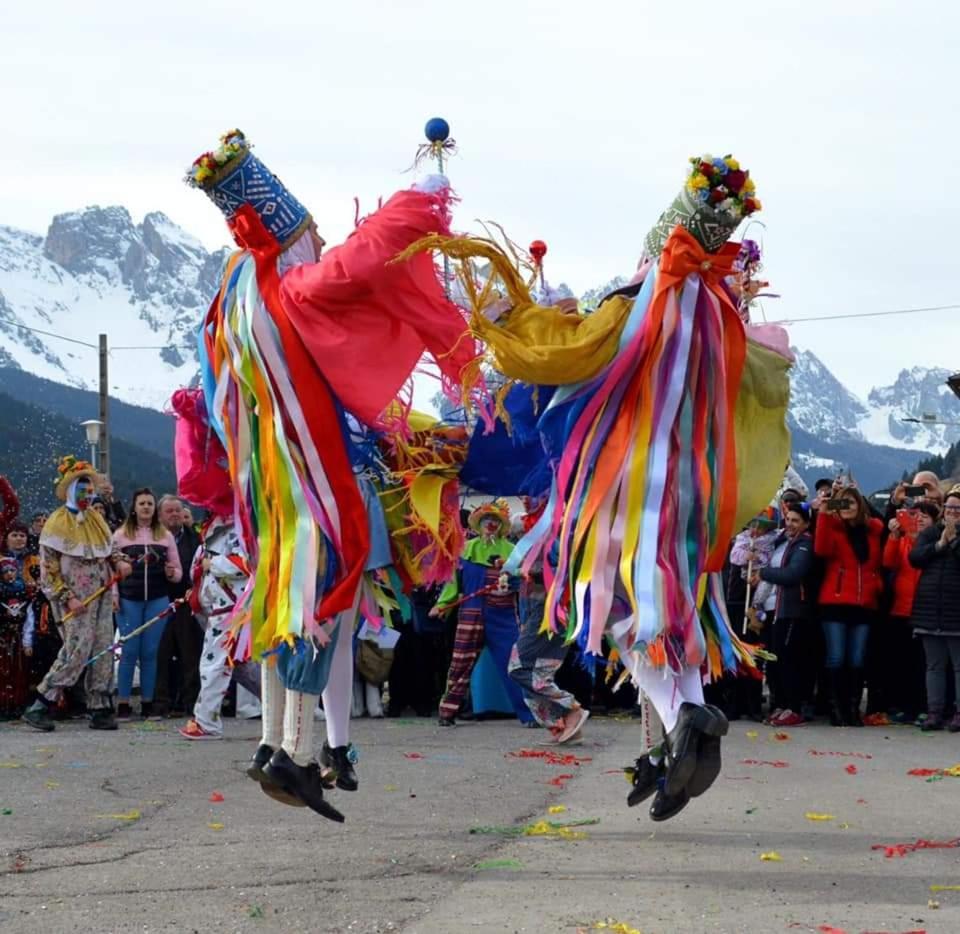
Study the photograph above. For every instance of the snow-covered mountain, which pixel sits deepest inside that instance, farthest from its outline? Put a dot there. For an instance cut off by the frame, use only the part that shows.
(145, 285)
(148, 284)
(823, 407)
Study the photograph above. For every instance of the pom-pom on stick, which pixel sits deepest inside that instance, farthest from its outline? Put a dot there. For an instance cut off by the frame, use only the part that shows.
(439, 143)
(538, 249)
(437, 132)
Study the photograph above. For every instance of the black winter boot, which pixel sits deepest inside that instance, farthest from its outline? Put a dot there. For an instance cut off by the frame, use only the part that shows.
(341, 759)
(102, 719)
(38, 716)
(855, 694)
(838, 706)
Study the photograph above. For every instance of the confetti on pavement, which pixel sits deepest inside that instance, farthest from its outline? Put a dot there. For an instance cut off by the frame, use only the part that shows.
(131, 815)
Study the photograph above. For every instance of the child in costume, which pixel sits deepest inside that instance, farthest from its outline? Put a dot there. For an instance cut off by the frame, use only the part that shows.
(78, 561)
(290, 342)
(487, 611)
(14, 605)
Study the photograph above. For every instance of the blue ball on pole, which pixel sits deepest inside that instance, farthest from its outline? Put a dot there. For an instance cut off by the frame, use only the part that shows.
(437, 130)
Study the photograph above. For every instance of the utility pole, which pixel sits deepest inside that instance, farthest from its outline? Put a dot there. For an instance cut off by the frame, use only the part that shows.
(104, 465)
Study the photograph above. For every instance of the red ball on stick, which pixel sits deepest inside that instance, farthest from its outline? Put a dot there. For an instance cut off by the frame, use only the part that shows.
(538, 249)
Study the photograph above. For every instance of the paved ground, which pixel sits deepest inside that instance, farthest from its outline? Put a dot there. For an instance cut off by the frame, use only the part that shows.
(117, 833)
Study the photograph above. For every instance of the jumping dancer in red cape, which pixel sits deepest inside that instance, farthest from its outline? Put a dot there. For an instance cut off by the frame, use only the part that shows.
(291, 343)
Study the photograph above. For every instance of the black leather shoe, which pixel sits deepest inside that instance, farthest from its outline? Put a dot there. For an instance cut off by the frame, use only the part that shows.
(103, 720)
(644, 777)
(303, 781)
(255, 771)
(341, 760)
(38, 716)
(708, 759)
(683, 743)
(666, 806)
(446, 721)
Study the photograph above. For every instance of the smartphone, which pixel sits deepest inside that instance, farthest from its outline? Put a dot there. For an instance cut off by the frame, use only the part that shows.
(837, 504)
(915, 491)
(908, 521)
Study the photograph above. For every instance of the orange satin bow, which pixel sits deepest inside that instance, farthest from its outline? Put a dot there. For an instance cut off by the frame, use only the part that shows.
(683, 254)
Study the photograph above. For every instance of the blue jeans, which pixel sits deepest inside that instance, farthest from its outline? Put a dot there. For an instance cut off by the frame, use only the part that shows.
(142, 648)
(846, 644)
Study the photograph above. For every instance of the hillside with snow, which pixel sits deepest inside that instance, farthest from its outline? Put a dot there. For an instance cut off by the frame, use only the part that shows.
(145, 285)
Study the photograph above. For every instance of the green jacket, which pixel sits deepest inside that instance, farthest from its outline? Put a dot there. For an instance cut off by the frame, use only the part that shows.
(477, 551)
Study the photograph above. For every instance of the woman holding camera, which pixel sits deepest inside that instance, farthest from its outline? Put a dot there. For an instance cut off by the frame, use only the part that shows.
(850, 542)
(903, 663)
(936, 608)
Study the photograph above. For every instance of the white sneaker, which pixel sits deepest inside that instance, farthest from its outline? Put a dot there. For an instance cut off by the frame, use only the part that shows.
(374, 705)
(358, 708)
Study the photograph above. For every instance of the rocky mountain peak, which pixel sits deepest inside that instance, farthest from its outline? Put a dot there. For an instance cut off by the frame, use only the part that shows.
(917, 386)
(94, 240)
(819, 402)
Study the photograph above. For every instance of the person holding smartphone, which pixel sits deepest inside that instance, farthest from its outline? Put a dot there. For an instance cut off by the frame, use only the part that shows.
(936, 608)
(850, 542)
(903, 664)
(924, 486)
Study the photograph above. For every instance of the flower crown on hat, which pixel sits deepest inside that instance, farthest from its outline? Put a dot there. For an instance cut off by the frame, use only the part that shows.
(70, 464)
(497, 509)
(716, 196)
(69, 468)
(207, 166)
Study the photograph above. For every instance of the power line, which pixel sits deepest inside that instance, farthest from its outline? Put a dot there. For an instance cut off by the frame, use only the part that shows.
(865, 314)
(72, 340)
(189, 344)
(177, 346)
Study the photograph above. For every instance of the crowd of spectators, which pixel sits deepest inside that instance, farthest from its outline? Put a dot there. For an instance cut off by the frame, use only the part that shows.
(850, 594)
(160, 539)
(856, 604)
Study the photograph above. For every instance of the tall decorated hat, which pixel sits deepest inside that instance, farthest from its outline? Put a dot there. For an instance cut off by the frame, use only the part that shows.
(497, 509)
(69, 469)
(235, 180)
(718, 194)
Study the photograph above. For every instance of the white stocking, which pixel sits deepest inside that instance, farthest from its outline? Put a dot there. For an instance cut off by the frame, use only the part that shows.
(338, 694)
(667, 691)
(651, 723)
(298, 726)
(271, 697)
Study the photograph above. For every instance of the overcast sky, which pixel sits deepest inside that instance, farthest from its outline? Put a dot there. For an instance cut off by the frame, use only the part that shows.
(574, 122)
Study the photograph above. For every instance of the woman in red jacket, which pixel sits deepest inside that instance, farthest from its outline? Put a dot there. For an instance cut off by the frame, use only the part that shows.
(905, 667)
(849, 541)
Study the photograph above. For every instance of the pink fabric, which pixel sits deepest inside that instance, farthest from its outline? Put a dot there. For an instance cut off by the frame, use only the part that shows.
(144, 536)
(202, 474)
(365, 322)
(773, 337)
